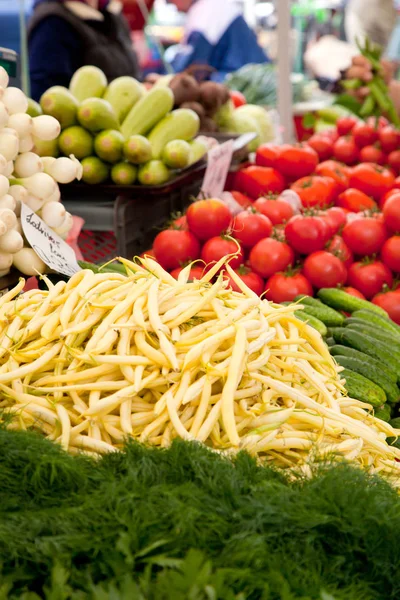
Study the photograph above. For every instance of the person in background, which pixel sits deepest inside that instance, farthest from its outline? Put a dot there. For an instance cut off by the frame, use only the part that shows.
(134, 14)
(217, 35)
(361, 69)
(374, 19)
(64, 35)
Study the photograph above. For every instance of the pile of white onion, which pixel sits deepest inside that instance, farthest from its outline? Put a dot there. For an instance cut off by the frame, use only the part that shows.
(28, 178)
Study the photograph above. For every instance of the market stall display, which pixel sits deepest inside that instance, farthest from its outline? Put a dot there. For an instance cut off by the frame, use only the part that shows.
(27, 178)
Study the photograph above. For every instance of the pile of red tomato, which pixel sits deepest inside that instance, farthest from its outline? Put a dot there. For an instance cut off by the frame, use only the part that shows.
(344, 231)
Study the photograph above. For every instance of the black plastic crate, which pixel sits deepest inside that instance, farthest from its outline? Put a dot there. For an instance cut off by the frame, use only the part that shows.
(134, 214)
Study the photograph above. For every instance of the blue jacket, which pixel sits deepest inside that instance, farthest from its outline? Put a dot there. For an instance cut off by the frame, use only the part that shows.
(235, 47)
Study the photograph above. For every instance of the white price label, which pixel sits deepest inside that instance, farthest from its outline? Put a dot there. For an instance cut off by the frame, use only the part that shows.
(219, 161)
(53, 251)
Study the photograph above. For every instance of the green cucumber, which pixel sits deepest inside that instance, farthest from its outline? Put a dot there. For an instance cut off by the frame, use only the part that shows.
(312, 321)
(320, 311)
(374, 331)
(379, 320)
(384, 413)
(364, 367)
(369, 345)
(330, 341)
(361, 388)
(338, 350)
(393, 441)
(340, 300)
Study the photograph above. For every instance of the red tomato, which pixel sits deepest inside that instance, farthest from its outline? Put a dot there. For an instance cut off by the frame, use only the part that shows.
(174, 247)
(372, 179)
(389, 138)
(148, 253)
(377, 122)
(390, 253)
(393, 161)
(267, 155)
(397, 183)
(251, 227)
(364, 134)
(338, 248)
(364, 236)
(306, 234)
(238, 99)
(336, 217)
(196, 272)
(336, 171)
(345, 125)
(271, 256)
(251, 279)
(283, 287)
(313, 190)
(218, 247)
(323, 269)
(296, 161)
(208, 218)
(242, 199)
(391, 213)
(372, 154)
(389, 301)
(387, 196)
(369, 278)
(180, 223)
(353, 292)
(276, 209)
(345, 150)
(355, 201)
(322, 145)
(258, 181)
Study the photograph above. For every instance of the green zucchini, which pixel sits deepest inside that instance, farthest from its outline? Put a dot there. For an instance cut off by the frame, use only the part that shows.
(384, 413)
(320, 311)
(312, 321)
(148, 111)
(338, 350)
(365, 368)
(361, 388)
(340, 300)
(369, 345)
(378, 320)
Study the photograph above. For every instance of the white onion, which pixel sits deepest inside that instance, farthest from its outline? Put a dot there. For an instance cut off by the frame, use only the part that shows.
(4, 115)
(4, 185)
(18, 227)
(15, 100)
(11, 242)
(53, 214)
(55, 196)
(28, 164)
(26, 144)
(63, 170)
(66, 227)
(4, 79)
(9, 170)
(7, 201)
(40, 185)
(3, 166)
(34, 203)
(18, 192)
(47, 163)
(8, 217)
(9, 145)
(46, 128)
(21, 123)
(6, 260)
(17, 208)
(28, 262)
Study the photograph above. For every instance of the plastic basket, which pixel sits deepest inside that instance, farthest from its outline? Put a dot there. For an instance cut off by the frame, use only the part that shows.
(123, 221)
